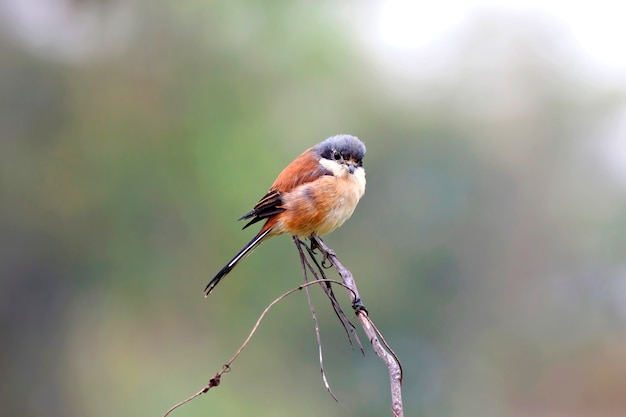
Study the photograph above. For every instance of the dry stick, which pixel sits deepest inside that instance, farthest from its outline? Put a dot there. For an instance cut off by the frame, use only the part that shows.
(215, 381)
(379, 344)
(349, 328)
(304, 263)
(382, 349)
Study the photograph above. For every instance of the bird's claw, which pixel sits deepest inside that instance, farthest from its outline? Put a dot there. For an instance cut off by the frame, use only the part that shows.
(326, 253)
(314, 245)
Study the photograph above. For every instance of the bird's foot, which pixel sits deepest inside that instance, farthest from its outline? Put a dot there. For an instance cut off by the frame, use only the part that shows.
(327, 253)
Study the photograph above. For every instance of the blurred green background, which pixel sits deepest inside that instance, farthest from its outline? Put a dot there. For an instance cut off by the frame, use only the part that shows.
(489, 246)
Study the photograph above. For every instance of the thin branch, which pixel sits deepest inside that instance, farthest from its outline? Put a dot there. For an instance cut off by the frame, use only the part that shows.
(349, 328)
(379, 344)
(382, 349)
(314, 316)
(215, 381)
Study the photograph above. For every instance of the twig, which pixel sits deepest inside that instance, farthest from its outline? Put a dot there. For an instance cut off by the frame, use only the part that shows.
(215, 381)
(349, 328)
(382, 349)
(304, 263)
(379, 344)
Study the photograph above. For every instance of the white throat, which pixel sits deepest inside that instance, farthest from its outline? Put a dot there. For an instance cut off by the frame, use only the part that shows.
(341, 171)
(338, 170)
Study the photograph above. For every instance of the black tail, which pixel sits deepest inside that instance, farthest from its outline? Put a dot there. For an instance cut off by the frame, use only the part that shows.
(233, 262)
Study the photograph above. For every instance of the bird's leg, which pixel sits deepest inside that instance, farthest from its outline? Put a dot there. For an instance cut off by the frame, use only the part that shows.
(316, 243)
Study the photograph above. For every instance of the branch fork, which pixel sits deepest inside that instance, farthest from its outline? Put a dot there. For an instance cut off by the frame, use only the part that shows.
(380, 346)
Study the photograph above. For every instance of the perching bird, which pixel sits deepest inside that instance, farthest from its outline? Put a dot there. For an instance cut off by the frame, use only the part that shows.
(312, 196)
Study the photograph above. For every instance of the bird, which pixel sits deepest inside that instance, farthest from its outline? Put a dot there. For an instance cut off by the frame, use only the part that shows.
(314, 195)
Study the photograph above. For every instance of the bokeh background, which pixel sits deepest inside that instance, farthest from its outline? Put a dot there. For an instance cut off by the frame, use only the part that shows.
(489, 247)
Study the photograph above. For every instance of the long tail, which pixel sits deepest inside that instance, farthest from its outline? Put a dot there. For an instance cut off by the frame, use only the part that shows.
(233, 262)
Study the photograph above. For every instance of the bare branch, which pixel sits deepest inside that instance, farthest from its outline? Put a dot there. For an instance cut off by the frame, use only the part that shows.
(349, 328)
(305, 263)
(379, 344)
(215, 381)
(382, 349)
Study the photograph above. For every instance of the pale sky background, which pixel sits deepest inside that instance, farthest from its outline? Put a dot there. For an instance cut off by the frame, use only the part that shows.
(597, 26)
(409, 34)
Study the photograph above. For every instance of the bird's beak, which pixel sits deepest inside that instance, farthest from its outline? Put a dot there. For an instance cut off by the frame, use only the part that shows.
(351, 167)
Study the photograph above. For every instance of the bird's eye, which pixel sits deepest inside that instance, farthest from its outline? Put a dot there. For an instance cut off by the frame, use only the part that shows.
(336, 155)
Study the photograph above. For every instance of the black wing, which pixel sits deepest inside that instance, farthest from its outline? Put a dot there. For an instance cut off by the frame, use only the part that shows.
(269, 205)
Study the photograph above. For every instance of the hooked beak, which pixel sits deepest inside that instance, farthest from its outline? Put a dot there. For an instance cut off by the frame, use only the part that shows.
(351, 167)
